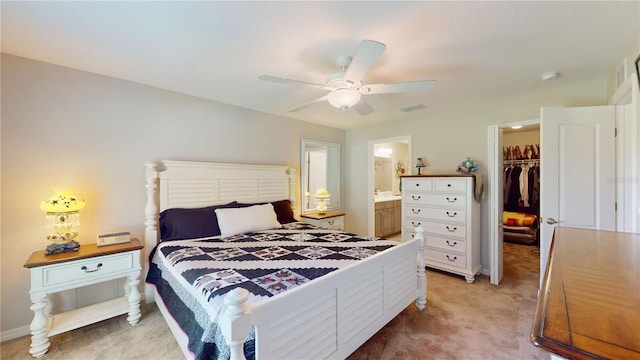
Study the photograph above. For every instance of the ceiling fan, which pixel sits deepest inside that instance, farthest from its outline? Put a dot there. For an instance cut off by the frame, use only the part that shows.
(345, 88)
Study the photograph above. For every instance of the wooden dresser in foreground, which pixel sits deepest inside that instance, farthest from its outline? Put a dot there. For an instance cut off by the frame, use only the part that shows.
(589, 305)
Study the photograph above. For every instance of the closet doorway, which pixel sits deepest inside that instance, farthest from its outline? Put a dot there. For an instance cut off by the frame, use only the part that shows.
(386, 158)
(515, 132)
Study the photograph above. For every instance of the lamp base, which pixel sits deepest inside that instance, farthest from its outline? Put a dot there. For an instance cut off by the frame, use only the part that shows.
(58, 248)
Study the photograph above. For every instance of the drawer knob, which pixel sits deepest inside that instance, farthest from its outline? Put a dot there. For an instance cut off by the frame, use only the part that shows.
(448, 185)
(415, 211)
(418, 185)
(452, 245)
(452, 230)
(415, 197)
(452, 258)
(415, 224)
(90, 271)
(454, 214)
(451, 201)
(331, 222)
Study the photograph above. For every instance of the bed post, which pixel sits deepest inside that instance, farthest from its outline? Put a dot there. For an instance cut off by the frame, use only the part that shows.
(236, 322)
(422, 278)
(292, 193)
(151, 217)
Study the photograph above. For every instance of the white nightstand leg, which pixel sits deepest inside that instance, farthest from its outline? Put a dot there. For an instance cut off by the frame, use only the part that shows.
(133, 297)
(39, 340)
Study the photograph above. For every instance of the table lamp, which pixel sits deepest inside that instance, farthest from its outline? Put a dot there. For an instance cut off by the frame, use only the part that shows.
(420, 164)
(322, 196)
(63, 217)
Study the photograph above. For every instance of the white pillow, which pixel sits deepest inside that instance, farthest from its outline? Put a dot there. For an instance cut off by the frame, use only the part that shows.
(234, 221)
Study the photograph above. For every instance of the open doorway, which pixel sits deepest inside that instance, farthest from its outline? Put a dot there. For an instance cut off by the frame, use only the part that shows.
(387, 159)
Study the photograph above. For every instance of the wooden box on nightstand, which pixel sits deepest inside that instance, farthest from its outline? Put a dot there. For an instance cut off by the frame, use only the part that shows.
(87, 266)
(333, 220)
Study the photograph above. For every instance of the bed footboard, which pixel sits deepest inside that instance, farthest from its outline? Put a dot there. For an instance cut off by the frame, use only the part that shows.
(335, 316)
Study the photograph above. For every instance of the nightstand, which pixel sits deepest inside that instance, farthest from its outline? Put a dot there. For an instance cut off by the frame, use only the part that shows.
(89, 265)
(333, 220)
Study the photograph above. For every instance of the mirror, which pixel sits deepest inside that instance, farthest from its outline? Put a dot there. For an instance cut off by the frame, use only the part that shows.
(320, 168)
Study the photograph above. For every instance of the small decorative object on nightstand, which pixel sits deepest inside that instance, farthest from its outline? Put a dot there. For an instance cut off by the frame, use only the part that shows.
(322, 196)
(89, 265)
(333, 220)
(63, 217)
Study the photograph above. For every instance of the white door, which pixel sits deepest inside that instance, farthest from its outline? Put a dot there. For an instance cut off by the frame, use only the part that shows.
(496, 203)
(577, 176)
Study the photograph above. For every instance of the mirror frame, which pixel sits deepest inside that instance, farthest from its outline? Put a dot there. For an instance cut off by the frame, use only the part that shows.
(334, 188)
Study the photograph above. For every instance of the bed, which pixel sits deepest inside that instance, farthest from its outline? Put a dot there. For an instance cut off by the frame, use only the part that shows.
(213, 302)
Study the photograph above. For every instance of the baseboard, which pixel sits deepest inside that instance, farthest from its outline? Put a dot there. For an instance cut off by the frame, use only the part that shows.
(15, 333)
(485, 271)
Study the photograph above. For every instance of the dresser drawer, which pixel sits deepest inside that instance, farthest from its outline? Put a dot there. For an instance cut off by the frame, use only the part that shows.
(418, 184)
(450, 185)
(458, 246)
(86, 269)
(444, 200)
(451, 259)
(455, 230)
(414, 214)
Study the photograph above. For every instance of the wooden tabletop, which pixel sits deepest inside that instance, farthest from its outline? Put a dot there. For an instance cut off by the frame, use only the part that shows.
(38, 258)
(589, 305)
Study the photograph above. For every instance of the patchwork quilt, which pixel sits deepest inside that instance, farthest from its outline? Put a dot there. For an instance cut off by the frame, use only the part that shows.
(192, 277)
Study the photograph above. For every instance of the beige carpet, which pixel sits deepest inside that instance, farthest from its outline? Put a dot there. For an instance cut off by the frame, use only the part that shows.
(461, 321)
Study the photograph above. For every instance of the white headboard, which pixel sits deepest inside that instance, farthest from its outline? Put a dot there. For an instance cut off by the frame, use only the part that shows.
(190, 184)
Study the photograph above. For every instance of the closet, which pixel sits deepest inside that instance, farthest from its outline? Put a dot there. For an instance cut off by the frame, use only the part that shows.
(521, 185)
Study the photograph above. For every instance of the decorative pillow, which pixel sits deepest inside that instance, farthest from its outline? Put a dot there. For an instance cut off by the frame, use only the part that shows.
(247, 219)
(282, 209)
(518, 219)
(183, 224)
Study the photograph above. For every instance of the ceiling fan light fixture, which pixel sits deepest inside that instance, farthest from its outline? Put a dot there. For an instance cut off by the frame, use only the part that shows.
(343, 98)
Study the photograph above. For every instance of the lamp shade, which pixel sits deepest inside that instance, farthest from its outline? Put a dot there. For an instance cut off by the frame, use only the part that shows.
(321, 193)
(62, 202)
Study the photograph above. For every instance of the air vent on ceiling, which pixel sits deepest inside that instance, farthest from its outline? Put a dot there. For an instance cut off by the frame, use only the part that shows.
(412, 107)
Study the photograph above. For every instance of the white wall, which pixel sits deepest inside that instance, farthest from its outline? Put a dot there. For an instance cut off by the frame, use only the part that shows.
(62, 128)
(445, 139)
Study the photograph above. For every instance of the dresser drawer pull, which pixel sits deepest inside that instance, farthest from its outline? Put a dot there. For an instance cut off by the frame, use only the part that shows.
(415, 224)
(331, 222)
(448, 185)
(454, 258)
(454, 214)
(90, 271)
(415, 211)
(452, 201)
(452, 245)
(417, 185)
(450, 229)
(416, 197)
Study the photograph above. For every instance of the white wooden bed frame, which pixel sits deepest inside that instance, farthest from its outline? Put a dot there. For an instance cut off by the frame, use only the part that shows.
(330, 318)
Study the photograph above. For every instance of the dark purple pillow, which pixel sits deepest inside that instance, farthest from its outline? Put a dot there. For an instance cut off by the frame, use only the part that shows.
(183, 224)
(282, 209)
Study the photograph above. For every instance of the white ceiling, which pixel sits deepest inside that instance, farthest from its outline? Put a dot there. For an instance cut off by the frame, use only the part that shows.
(476, 51)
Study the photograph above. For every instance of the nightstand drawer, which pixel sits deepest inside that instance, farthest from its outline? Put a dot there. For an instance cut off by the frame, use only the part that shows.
(335, 223)
(87, 269)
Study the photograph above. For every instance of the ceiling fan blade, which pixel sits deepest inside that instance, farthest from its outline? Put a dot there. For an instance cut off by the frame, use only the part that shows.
(409, 86)
(366, 55)
(307, 104)
(362, 107)
(290, 81)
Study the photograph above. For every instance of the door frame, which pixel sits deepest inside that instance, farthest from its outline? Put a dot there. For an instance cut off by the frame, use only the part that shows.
(371, 215)
(495, 163)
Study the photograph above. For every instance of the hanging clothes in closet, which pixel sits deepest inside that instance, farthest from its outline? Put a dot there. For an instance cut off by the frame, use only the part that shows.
(522, 187)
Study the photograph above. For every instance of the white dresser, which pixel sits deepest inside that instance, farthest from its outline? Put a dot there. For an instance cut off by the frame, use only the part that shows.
(444, 206)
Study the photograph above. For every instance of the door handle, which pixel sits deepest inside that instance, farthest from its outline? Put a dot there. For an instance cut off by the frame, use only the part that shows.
(552, 221)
